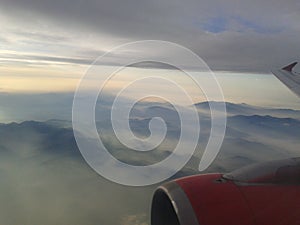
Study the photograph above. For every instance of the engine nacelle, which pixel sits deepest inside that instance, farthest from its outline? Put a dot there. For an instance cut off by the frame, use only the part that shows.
(200, 200)
(260, 194)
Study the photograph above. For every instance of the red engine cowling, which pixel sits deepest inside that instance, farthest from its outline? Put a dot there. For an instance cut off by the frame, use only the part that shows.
(260, 194)
(200, 200)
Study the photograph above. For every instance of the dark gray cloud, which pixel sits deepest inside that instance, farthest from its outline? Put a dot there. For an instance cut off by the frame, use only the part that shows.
(41, 36)
(42, 58)
(229, 35)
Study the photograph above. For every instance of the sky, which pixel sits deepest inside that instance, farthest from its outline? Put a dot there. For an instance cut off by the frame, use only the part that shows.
(47, 46)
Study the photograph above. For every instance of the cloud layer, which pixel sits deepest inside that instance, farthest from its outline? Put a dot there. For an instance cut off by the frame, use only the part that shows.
(231, 35)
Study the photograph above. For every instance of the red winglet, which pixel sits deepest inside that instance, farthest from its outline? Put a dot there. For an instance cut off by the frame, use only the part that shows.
(290, 67)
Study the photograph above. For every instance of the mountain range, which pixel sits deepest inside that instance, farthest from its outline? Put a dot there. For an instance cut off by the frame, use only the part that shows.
(44, 177)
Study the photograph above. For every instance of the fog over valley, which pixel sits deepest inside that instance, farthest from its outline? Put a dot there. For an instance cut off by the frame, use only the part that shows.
(45, 180)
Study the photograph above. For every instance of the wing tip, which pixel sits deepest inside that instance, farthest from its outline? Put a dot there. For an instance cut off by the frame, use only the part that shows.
(290, 67)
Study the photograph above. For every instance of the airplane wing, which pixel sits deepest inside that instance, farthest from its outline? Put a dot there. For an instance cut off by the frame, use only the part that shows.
(290, 78)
